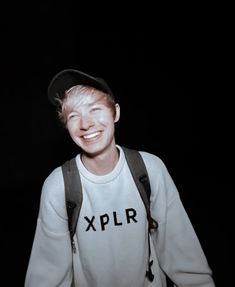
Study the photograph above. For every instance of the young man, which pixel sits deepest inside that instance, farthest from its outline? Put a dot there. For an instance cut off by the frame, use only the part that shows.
(112, 240)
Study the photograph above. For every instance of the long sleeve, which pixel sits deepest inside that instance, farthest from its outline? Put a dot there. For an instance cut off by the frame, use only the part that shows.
(179, 251)
(50, 262)
(176, 244)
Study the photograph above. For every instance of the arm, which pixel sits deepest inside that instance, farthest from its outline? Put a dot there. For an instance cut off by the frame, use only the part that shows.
(177, 246)
(50, 262)
(179, 250)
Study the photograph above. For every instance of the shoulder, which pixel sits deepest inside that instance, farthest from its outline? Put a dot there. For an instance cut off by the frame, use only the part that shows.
(54, 178)
(153, 162)
(52, 212)
(159, 175)
(53, 188)
(157, 171)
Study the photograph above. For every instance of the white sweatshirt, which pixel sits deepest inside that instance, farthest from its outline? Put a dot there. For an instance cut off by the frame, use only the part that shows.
(112, 237)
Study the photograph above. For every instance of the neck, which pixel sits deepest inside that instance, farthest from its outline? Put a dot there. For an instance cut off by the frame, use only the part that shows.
(103, 163)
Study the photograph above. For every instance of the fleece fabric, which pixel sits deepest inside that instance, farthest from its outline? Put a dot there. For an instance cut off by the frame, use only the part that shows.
(112, 235)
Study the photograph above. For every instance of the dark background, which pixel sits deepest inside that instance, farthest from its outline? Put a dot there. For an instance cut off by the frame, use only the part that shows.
(165, 66)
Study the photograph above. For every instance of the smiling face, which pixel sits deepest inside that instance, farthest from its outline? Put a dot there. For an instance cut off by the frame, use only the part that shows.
(90, 115)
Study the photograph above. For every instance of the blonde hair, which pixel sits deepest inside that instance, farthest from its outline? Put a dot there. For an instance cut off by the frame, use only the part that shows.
(78, 95)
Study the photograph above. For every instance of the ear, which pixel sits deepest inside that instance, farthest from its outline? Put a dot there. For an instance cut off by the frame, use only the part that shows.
(117, 116)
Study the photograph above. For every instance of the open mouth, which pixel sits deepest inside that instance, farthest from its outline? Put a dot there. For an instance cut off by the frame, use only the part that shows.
(91, 136)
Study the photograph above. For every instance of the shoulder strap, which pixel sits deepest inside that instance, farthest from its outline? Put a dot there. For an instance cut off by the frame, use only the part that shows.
(141, 178)
(73, 195)
(73, 192)
(140, 175)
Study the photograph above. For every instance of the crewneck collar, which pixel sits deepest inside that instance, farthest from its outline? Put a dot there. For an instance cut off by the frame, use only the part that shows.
(101, 178)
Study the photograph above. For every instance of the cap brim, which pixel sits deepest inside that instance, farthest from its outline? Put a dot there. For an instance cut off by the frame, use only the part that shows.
(68, 78)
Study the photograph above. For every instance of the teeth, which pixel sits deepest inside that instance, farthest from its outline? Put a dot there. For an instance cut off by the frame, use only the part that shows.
(91, 135)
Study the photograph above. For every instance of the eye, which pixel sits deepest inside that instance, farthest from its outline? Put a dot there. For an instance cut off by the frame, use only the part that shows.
(95, 109)
(72, 116)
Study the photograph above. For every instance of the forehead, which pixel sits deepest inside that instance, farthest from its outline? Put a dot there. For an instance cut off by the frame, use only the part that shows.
(82, 95)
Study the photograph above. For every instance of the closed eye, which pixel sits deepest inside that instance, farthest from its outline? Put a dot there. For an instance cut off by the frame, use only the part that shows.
(72, 116)
(95, 109)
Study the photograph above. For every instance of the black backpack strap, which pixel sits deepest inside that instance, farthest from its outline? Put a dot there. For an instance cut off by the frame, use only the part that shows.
(73, 195)
(141, 178)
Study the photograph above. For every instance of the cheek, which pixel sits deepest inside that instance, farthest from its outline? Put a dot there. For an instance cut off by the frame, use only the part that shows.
(107, 117)
(72, 129)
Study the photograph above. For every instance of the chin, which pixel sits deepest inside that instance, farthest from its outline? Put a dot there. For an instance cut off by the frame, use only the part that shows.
(93, 149)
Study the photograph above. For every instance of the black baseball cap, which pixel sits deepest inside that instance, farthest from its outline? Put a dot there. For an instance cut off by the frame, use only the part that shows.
(66, 79)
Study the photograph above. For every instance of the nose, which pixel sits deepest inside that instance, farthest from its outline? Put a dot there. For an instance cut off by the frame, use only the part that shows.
(86, 122)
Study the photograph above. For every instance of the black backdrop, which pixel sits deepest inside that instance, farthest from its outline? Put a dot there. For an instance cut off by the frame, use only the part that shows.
(164, 69)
